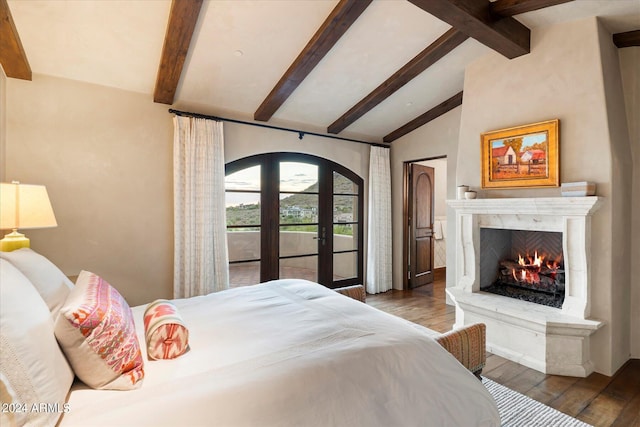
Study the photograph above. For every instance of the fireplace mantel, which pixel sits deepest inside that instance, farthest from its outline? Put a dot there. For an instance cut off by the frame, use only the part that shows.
(581, 206)
(561, 350)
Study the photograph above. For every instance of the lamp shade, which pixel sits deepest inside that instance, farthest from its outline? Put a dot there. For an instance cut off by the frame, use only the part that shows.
(25, 206)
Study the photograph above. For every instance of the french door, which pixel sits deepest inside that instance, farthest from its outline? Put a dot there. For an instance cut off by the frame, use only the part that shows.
(292, 215)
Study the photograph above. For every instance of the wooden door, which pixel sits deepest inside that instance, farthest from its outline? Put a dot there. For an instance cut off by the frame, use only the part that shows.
(420, 225)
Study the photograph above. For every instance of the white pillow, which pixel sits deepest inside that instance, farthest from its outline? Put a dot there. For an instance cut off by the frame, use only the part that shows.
(50, 282)
(33, 369)
(9, 416)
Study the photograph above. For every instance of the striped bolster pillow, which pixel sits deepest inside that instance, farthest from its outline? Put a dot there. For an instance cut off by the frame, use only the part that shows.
(165, 332)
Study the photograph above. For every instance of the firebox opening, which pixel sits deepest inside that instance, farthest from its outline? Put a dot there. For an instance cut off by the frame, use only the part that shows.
(521, 264)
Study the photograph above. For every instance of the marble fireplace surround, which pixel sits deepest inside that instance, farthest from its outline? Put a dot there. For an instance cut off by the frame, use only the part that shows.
(550, 340)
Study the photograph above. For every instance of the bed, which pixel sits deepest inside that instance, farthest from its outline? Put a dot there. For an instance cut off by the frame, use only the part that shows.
(282, 353)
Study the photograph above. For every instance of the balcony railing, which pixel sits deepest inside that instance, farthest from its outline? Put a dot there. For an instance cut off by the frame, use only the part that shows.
(245, 246)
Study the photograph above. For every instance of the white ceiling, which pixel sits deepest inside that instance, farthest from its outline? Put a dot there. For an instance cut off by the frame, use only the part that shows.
(241, 49)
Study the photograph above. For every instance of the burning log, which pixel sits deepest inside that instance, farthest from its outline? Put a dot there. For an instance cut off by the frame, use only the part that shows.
(531, 278)
(543, 269)
(539, 277)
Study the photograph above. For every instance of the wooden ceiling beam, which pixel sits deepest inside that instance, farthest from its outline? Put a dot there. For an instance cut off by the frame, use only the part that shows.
(506, 35)
(182, 23)
(502, 8)
(515, 7)
(332, 29)
(627, 39)
(435, 112)
(12, 55)
(430, 55)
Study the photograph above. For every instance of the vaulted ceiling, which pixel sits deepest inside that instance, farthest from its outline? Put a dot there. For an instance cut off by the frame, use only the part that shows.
(367, 69)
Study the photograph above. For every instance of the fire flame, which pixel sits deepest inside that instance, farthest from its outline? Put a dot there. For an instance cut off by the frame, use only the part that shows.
(536, 260)
(553, 265)
(529, 274)
(534, 271)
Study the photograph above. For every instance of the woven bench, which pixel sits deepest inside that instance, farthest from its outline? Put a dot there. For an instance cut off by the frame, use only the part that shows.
(467, 344)
(356, 292)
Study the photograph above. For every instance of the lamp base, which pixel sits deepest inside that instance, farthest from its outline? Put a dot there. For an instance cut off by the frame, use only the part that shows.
(13, 241)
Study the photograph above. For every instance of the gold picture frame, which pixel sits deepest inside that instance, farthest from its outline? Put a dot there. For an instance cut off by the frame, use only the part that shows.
(523, 156)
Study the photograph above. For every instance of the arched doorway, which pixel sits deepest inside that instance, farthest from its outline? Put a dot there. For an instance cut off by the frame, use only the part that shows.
(293, 215)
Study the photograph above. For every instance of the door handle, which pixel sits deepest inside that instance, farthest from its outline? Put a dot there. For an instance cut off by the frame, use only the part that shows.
(322, 239)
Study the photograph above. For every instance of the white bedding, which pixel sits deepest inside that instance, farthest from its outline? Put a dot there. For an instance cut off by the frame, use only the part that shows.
(292, 353)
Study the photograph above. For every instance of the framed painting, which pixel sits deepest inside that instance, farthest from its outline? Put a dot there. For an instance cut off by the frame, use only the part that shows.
(522, 156)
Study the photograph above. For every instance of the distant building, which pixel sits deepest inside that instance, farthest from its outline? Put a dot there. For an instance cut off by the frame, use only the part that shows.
(505, 155)
(298, 212)
(344, 217)
(534, 156)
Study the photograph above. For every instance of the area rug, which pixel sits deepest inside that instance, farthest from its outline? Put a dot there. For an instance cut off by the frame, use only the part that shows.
(518, 410)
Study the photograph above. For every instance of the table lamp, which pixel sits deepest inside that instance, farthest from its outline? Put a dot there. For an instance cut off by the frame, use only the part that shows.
(23, 206)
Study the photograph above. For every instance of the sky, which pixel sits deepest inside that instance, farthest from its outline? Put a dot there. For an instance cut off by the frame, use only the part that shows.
(533, 139)
(527, 140)
(293, 177)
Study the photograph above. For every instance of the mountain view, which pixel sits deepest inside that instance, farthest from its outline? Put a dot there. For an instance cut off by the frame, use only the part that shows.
(300, 208)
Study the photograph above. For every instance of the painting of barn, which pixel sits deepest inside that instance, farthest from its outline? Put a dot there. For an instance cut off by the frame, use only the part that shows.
(504, 154)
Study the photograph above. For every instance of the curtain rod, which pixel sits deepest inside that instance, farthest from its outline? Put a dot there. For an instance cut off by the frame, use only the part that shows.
(301, 133)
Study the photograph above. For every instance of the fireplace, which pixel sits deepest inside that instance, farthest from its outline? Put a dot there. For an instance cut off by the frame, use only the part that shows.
(522, 264)
(512, 240)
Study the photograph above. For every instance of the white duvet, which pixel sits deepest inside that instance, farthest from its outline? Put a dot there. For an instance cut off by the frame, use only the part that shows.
(292, 353)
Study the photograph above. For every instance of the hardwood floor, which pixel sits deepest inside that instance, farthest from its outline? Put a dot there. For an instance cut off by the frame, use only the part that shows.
(598, 400)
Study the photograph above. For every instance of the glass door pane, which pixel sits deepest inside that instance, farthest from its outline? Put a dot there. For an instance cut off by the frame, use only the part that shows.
(298, 240)
(242, 200)
(345, 228)
(343, 185)
(243, 210)
(345, 209)
(243, 274)
(247, 179)
(345, 265)
(298, 223)
(345, 237)
(298, 177)
(299, 268)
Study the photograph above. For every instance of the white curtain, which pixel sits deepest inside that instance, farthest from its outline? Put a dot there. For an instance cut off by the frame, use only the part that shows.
(379, 227)
(200, 240)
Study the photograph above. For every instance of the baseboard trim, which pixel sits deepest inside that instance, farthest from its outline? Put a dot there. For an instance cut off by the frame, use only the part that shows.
(440, 273)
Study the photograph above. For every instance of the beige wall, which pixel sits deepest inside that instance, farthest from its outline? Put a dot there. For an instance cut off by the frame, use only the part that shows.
(621, 172)
(3, 122)
(105, 157)
(564, 77)
(435, 139)
(630, 71)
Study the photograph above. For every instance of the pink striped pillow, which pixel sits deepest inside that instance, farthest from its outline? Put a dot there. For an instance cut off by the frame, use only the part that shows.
(96, 331)
(165, 332)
